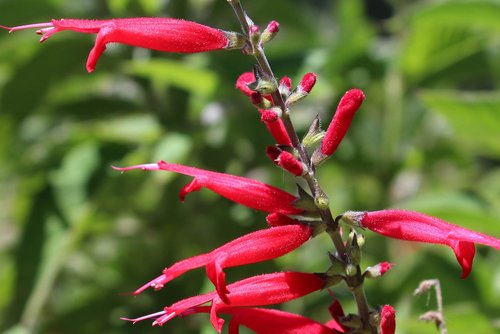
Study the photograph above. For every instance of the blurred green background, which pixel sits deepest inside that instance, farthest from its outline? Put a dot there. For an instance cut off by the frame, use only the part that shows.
(75, 234)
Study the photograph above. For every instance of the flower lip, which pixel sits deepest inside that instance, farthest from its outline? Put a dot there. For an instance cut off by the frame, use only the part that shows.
(416, 226)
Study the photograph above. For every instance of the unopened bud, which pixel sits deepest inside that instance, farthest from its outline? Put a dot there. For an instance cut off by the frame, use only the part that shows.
(289, 162)
(285, 87)
(377, 270)
(270, 32)
(355, 252)
(270, 115)
(254, 33)
(348, 105)
(303, 89)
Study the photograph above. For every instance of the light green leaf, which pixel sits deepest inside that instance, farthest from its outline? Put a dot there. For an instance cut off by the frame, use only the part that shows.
(165, 72)
(475, 117)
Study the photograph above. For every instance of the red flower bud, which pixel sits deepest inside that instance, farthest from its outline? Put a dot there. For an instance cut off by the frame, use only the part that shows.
(307, 83)
(289, 162)
(377, 270)
(387, 320)
(161, 34)
(415, 226)
(348, 105)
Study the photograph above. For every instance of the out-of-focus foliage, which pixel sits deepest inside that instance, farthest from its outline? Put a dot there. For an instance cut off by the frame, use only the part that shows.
(74, 234)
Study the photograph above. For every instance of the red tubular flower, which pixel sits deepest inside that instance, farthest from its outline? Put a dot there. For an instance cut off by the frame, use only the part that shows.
(415, 226)
(161, 34)
(247, 192)
(387, 320)
(348, 105)
(267, 289)
(254, 247)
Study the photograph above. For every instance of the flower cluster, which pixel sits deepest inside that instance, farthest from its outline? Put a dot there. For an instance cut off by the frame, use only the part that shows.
(292, 219)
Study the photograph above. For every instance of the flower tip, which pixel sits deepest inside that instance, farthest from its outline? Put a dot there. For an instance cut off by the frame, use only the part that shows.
(308, 81)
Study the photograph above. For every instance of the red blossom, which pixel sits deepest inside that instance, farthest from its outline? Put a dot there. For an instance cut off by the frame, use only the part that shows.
(415, 226)
(348, 105)
(244, 191)
(161, 34)
(254, 247)
(387, 320)
(267, 289)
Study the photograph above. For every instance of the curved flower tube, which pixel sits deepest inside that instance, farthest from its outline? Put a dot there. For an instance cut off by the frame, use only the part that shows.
(267, 289)
(254, 247)
(161, 34)
(244, 191)
(416, 226)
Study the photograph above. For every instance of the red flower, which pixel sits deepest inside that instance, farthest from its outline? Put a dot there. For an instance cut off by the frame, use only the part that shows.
(267, 289)
(162, 34)
(415, 226)
(387, 320)
(251, 248)
(268, 321)
(348, 105)
(248, 192)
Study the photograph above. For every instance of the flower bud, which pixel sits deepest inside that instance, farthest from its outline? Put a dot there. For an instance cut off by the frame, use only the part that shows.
(348, 105)
(270, 32)
(304, 88)
(377, 270)
(271, 115)
(289, 162)
(285, 87)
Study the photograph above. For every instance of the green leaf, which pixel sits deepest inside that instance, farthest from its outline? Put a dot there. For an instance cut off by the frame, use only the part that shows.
(441, 35)
(474, 117)
(165, 72)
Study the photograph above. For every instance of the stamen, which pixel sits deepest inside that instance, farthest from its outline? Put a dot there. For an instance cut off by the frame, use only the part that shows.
(149, 316)
(29, 26)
